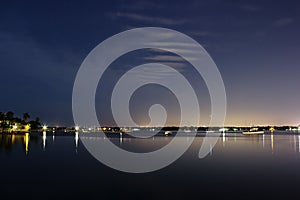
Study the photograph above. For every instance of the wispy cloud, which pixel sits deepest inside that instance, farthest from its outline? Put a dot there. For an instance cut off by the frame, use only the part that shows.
(155, 71)
(283, 22)
(251, 8)
(140, 5)
(168, 58)
(147, 19)
(165, 58)
(202, 33)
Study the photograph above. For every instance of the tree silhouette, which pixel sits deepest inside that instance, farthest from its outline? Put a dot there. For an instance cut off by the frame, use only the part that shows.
(26, 116)
(10, 115)
(2, 122)
(7, 120)
(35, 124)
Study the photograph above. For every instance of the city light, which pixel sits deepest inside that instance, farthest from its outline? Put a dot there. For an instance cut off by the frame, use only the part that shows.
(27, 127)
(15, 127)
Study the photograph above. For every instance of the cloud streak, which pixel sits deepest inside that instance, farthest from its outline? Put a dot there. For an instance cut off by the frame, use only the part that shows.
(251, 8)
(148, 19)
(203, 33)
(283, 22)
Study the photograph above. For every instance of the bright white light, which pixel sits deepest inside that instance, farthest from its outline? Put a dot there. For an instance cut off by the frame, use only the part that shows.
(15, 127)
(77, 128)
(223, 129)
(76, 139)
(44, 139)
(45, 127)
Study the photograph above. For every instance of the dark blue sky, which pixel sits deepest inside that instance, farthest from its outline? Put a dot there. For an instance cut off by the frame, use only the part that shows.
(255, 44)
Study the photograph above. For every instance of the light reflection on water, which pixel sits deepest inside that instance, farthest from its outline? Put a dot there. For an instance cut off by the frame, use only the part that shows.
(232, 142)
(254, 166)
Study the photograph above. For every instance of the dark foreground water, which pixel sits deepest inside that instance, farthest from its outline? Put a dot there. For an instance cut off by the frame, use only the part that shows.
(239, 167)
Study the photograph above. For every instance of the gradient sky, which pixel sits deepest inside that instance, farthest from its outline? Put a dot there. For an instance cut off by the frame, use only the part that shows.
(255, 44)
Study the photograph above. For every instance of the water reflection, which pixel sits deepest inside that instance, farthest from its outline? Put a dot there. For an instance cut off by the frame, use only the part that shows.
(11, 142)
(299, 143)
(121, 138)
(76, 141)
(268, 143)
(26, 141)
(13, 139)
(53, 136)
(295, 143)
(44, 140)
(272, 142)
(242, 165)
(8, 142)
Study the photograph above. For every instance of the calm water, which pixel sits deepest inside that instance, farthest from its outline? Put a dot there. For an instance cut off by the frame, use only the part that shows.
(239, 167)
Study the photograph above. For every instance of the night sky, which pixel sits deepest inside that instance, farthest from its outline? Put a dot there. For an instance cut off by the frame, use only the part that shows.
(255, 44)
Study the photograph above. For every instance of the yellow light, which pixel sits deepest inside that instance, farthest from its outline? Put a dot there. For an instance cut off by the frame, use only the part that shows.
(45, 127)
(26, 142)
(27, 127)
(13, 139)
(77, 128)
(272, 142)
(15, 127)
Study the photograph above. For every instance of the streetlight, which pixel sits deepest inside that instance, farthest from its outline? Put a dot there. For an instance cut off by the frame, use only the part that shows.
(45, 127)
(15, 127)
